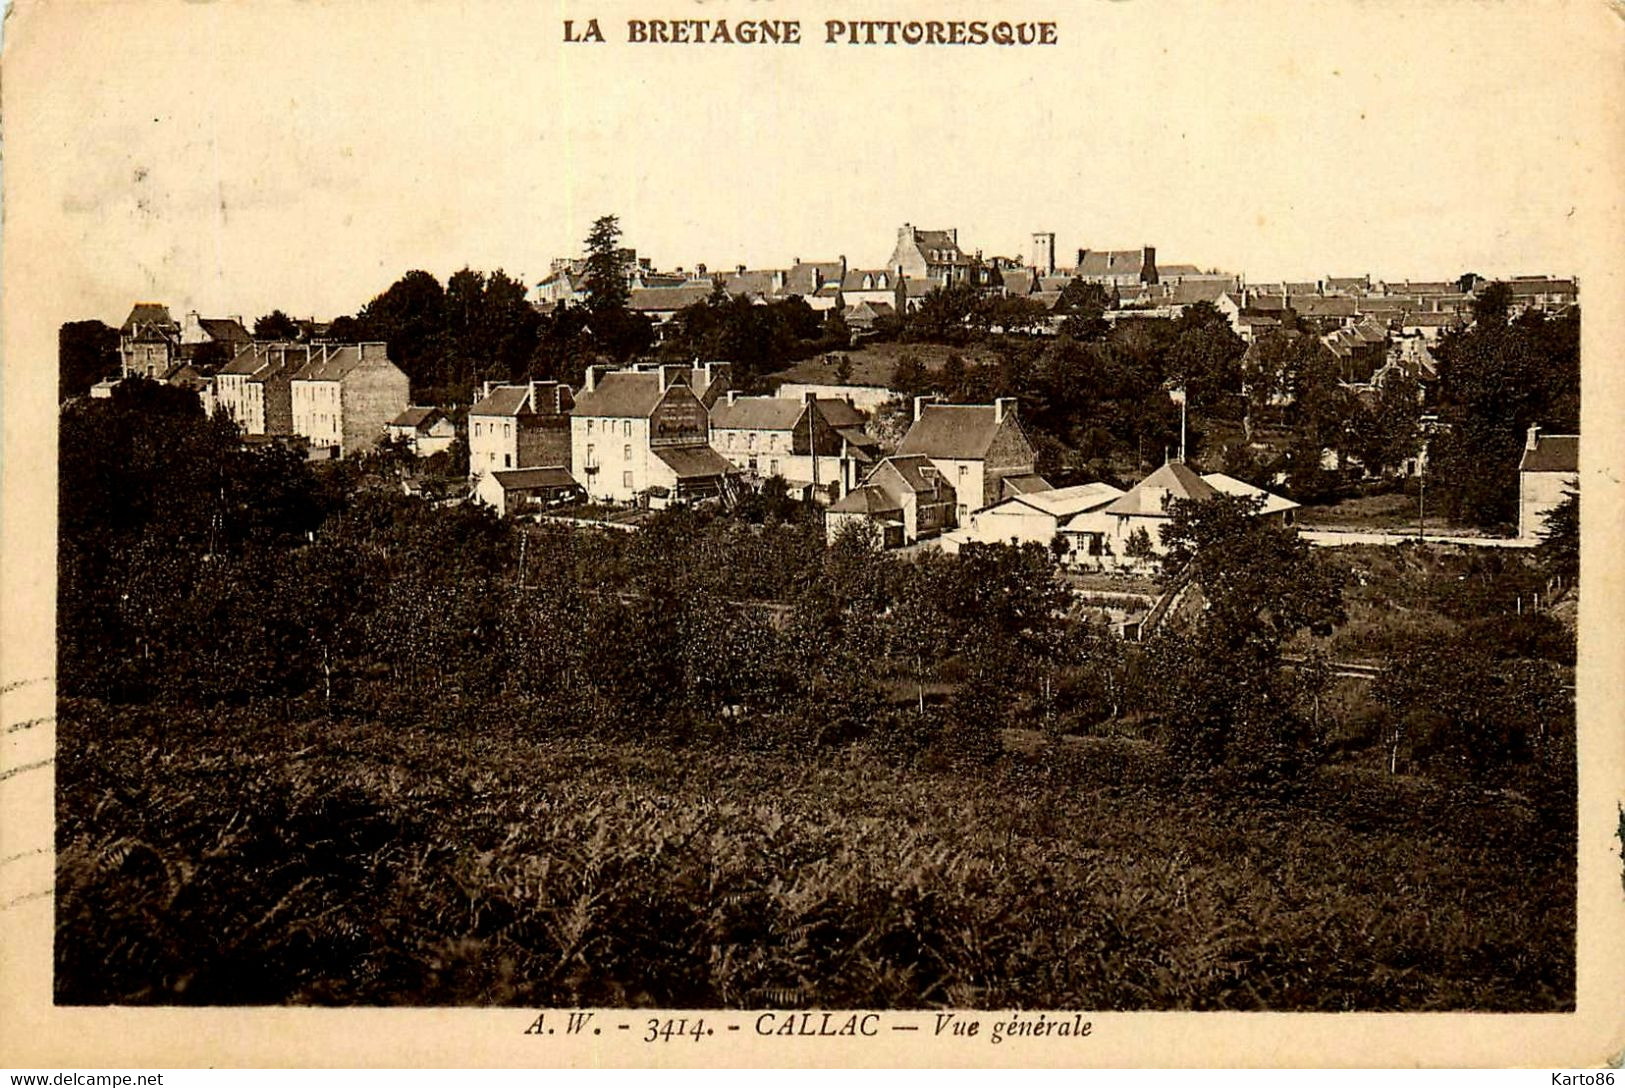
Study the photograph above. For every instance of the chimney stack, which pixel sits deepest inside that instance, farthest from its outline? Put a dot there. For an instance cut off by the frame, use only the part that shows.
(592, 378)
(733, 395)
(1002, 407)
(1534, 436)
(919, 404)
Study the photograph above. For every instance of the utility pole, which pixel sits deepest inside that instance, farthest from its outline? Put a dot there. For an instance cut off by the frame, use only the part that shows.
(1421, 496)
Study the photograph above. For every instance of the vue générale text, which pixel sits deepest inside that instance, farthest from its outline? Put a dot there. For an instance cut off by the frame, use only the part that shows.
(835, 32)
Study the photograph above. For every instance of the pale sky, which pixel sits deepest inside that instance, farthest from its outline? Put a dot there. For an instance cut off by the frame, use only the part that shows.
(239, 157)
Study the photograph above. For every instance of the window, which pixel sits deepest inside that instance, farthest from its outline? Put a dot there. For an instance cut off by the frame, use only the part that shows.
(589, 426)
(589, 453)
(507, 460)
(773, 467)
(626, 453)
(626, 480)
(627, 429)
(963, 469)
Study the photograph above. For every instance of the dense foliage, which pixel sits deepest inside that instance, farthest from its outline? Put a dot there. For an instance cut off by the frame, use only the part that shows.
(229, 857)
(87, 352)
(1497, 378)
(323, 742)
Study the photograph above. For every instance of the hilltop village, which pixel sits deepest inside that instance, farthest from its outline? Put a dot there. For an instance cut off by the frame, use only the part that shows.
(1297, 389)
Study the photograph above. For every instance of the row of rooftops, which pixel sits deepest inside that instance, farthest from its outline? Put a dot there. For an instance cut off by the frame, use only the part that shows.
(318, 362)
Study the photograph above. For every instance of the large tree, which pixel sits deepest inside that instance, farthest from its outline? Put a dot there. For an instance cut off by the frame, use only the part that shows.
(276, 325)
(606, 269)
(1224, 695)
(86, 352)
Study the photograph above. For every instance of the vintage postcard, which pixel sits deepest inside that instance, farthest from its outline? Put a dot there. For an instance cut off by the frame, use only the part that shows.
(802, 532)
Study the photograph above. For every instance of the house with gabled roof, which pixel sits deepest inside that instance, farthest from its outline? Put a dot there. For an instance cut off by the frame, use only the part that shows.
(644, 436)
(1145, 508)
(149, 340)
(807, 278)
(660, 304)
(228, 333)
(1041, 517)
(905, 499)
(1547, 472)
(932, 255)
(255, 387)
(425, 428)
(528, 490)
(815, 444)
(345, 396)
(1117, 267)
(517, 426)
(875, 286)
(975, 447)
(710, 381)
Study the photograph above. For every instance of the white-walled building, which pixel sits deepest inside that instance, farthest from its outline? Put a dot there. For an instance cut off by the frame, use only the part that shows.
(1549, 470)
(642, 435)
(975, 447)
(345, 396)
(773, 436)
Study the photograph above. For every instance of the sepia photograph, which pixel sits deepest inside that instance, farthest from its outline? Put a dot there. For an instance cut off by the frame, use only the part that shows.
(758, 518)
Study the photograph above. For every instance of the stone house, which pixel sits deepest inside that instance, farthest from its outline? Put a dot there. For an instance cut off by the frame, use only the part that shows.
(974, 446)
(1547, 472)
(643, 435)
(345, 396)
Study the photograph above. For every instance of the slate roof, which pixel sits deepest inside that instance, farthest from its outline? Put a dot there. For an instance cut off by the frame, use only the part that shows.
(148, 314)
(416, 417)
(527, 479)
(753, 281)
(1530, 285)
(943, 241)
(807, 277)
(1165, 271)
(879, 279)
(693, 462)
(504, 400)
(866, 500)
(1019, 281)
(1184, 294)
(624, 394)
(1315, 306)
(917, 473)
(953, 431)
(1026, 485)
(1177, 478)
(1552, 453)
(860, 444)
(757, 414)
(837, 413)
(224, 329)
(1112, 262)
(664, 299)
(332, 363)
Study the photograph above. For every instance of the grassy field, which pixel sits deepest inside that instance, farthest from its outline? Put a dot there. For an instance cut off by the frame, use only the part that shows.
(1389, 512)
(478, 858)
